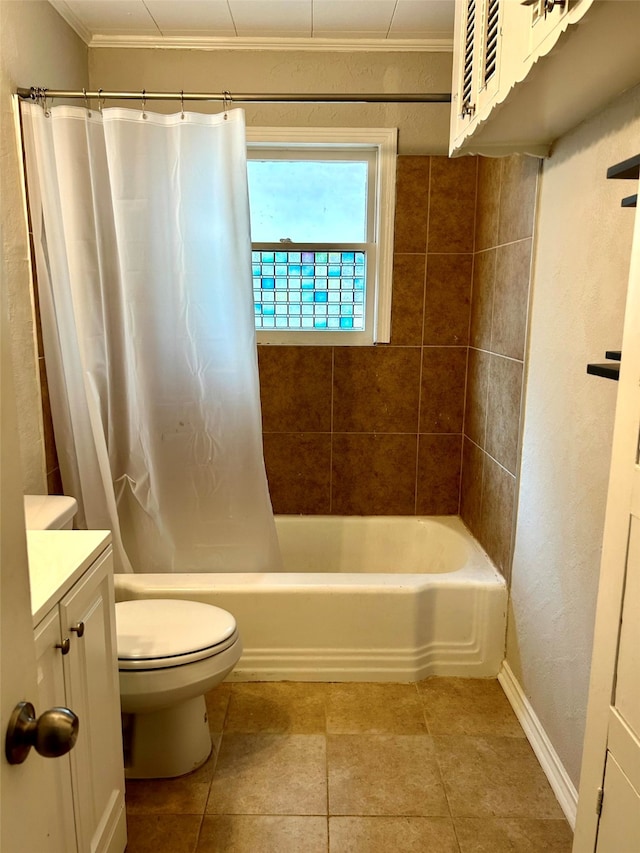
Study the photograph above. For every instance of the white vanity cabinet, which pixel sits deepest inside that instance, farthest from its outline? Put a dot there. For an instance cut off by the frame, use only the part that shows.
(73, 605)
(527, 71)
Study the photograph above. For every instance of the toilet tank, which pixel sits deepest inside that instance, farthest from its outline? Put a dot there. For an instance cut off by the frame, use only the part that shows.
(49, 512)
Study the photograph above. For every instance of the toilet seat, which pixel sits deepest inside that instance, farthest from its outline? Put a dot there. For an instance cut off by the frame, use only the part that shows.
(165, 633)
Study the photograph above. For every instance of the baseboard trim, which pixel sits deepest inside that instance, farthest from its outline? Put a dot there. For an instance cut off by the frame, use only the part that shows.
(555, 772)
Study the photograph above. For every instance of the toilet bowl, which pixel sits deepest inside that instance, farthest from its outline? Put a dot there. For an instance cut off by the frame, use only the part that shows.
(170, 653)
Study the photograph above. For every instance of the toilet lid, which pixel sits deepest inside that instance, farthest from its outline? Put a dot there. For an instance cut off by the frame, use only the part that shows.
(166, 632)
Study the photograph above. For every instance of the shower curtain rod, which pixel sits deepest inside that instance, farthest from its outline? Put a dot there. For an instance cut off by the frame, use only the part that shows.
(37, 93)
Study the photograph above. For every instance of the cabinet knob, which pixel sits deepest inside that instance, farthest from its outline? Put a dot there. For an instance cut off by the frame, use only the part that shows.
(64, 646)
(78, 628)
(52, 734)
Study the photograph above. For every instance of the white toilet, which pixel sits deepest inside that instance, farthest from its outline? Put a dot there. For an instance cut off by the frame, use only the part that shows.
(170, 653)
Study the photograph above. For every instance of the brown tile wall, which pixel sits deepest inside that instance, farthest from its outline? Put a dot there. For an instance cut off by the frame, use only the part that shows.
(378, 430)
(504, 229)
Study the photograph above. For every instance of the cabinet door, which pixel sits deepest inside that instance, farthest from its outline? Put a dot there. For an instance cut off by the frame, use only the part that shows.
(51, 693)
(466, 59)
(476, 63)
(91, 680)
(546, 15)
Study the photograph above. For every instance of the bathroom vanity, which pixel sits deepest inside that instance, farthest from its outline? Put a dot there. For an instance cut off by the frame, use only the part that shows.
(71, 578)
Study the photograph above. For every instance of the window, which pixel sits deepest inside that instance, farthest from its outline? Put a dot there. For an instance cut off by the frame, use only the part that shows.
(322, 209)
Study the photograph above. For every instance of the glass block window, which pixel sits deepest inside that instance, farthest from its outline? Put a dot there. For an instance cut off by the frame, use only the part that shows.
(313, 291)
(319, 260)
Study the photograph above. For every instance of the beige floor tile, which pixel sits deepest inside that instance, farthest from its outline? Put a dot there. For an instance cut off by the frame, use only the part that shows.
(468, 706)
(374, 709)
(263, 834)
(277, 707)
(494, 777)
(217, 701)
(384, 775)
(270, 774)
(397, 834)
(513, 835)
(162, 833)
(183, 795)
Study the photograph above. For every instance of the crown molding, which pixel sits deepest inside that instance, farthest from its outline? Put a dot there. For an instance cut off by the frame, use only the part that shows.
(444, 45)
(72, 19)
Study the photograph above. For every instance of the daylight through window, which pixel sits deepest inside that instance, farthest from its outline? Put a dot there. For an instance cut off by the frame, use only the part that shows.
(317, 222)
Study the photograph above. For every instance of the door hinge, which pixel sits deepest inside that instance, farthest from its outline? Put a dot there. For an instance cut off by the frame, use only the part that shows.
(599, 801)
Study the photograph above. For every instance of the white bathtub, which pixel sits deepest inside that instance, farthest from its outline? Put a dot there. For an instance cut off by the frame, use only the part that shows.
(361, 599)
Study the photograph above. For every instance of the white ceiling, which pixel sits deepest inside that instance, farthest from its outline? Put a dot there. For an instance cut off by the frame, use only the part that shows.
(111, 21)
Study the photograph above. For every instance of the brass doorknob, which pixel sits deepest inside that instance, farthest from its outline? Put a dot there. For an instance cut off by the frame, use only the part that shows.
(52, 734)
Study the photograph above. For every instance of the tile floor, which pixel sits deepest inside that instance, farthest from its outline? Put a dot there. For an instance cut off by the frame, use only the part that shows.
(441, 766)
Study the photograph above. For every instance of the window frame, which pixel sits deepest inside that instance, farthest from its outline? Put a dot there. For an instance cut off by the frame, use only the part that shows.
(380, 225)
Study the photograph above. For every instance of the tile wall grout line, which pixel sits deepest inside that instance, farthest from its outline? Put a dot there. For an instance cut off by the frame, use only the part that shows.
(466, 374)
(462, 428)
(444, 254)
(379, 432)
(446, 346)
(371, 432)
(502, 245)
(424, 308)
(417, 465)
(493, 301)
(498, 354)
(489, 456)
(506, 243)
(493, 296)
(525, 367)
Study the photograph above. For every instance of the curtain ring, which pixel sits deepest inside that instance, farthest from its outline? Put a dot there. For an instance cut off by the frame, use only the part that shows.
(226, 98)
(182, 104)
(100, 101)
(47, 111)
(86, 102)
(144, 103)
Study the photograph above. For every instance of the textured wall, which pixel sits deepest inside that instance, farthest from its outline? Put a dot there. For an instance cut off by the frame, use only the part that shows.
(37, 48)
(581, 268)
(424, 128)
(502, 261)
(377, 430)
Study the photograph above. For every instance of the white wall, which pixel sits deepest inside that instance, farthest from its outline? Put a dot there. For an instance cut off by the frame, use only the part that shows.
(37, 48)
(581, 265)
(424, 128)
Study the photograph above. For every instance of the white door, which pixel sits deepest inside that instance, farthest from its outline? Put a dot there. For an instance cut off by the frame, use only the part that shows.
(609, 804)
(26, 809)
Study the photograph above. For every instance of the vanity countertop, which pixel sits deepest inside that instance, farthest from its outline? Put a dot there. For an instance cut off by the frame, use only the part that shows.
(57, 558)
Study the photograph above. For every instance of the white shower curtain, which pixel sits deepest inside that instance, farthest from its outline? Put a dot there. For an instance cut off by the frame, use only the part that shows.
(143, 257)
